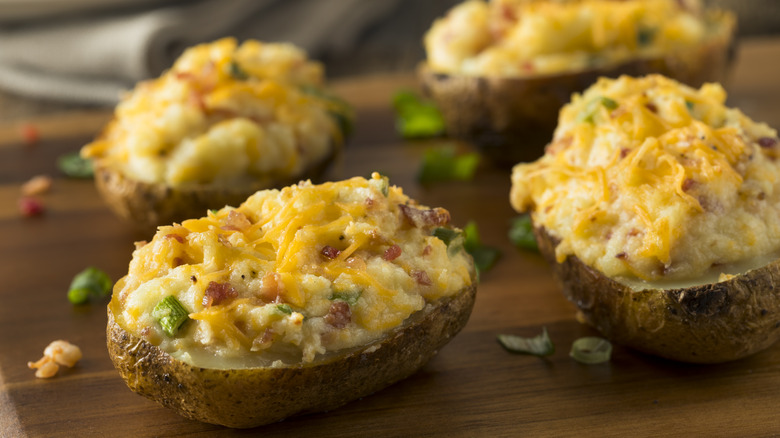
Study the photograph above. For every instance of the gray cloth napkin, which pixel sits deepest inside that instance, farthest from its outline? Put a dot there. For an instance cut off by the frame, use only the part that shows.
(92, 56)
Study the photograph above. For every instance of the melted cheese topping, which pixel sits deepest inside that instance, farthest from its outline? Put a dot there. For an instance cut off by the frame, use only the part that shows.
(312, 269)
(223, 114)
(517, 38)
(647, 178)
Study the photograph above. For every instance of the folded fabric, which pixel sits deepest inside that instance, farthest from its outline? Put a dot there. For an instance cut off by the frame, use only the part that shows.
(93, 56)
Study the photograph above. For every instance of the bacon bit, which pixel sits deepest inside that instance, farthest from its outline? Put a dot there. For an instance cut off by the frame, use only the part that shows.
(392, 253)
(264, 341)
(30, 207)
(369, 202)
(633, 232)
(30, 134)
(357, 263)
(176, 237)
(761, 196)
(217, 293)
(651, 106)
(339, 314)
(621, 256)
(330, 252)
(271, 287)
(421, 277)
(688, 184)
(236, 221)
(178, 261)
(767, 142)
(427, 250)
(193, 279)
(37, 185)
(57, 353)
(624, 152)
(527, 66)
(425, 218)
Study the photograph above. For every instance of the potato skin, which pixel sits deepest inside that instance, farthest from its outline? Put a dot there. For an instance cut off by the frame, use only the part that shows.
(148, 205)
(243, 398)
(512, 119)
(711, 323)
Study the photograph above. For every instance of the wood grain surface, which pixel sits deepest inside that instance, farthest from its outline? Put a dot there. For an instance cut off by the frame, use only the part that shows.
(472, 388)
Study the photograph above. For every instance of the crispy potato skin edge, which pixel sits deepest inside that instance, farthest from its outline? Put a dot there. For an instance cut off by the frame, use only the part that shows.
(711, 323)
(512, 119)
(244, 398)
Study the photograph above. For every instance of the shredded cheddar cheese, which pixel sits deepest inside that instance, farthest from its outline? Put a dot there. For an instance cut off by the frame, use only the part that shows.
(517, 38)
(224, 114)
(665, 185)
(291, 273)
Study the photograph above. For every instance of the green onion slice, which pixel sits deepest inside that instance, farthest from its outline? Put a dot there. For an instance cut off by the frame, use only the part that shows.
(382, 184)
(350, 297)
(91, 282)
(540, 345)
(284, 308)
(416, 117)
(443, 164)
(171, 315)
(591, 350)
(521, 233)
(446, 235)
(484, 256)
(237, 72)
(72, 165)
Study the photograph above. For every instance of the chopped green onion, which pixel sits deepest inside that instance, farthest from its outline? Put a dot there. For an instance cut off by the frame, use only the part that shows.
(591, 350)
(337, 108)
(689, 105)
(521, 233)
(350, 298)
(284, 308)
(484, 256)
(382, 184)
(645, 36)
(237, 72)
(72, 165)
(171, 314)
(91, 282)
(540, 345)
(78, 296)
(416, 117)
(593, 106)
(446, 235)
(442, 164)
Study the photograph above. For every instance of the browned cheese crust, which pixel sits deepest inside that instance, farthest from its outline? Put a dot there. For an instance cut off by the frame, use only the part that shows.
(252, 397)
(710, 323)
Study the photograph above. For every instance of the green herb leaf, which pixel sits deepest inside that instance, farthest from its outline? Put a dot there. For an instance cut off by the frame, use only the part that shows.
(91, 282)
(237, 72)
(591, 350)
(284, 308)
(171, 315)
(593, 107)
(72, 165)
(521, 233)
(689, 105)
(442, 164)
(540, 345)
(416, 117)
(484, 256)
(645, 36)
(349, 297)
(382, 184)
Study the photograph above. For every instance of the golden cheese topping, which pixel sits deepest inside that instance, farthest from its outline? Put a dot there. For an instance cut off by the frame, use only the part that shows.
(651, 179)
(292, 274)
(517, 38)
(223, 114)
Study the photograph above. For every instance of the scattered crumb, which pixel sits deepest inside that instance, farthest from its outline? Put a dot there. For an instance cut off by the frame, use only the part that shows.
(30, 134)
(57, 353)
(30, 207)
(37, 185)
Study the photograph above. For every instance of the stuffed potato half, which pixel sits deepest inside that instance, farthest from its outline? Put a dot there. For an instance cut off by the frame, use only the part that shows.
(297, 301)
(225, 121)
(657, 206)
(501, 83)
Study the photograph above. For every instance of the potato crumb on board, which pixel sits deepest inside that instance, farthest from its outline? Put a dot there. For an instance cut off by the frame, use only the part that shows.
(57, 353)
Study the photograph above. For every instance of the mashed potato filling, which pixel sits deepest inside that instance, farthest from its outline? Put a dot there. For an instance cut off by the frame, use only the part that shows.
(292, 274)
(517, 38)
(223, 114)
(653, 180)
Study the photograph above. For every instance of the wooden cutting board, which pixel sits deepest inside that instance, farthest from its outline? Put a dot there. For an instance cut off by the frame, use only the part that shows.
(472, 388)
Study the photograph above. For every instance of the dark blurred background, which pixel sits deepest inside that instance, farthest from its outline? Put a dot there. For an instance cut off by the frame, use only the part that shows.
(381, 36)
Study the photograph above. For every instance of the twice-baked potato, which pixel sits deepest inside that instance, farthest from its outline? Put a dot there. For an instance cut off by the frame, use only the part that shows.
(659, 210)
(223, 122)
(297, 301)
(501, 71)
